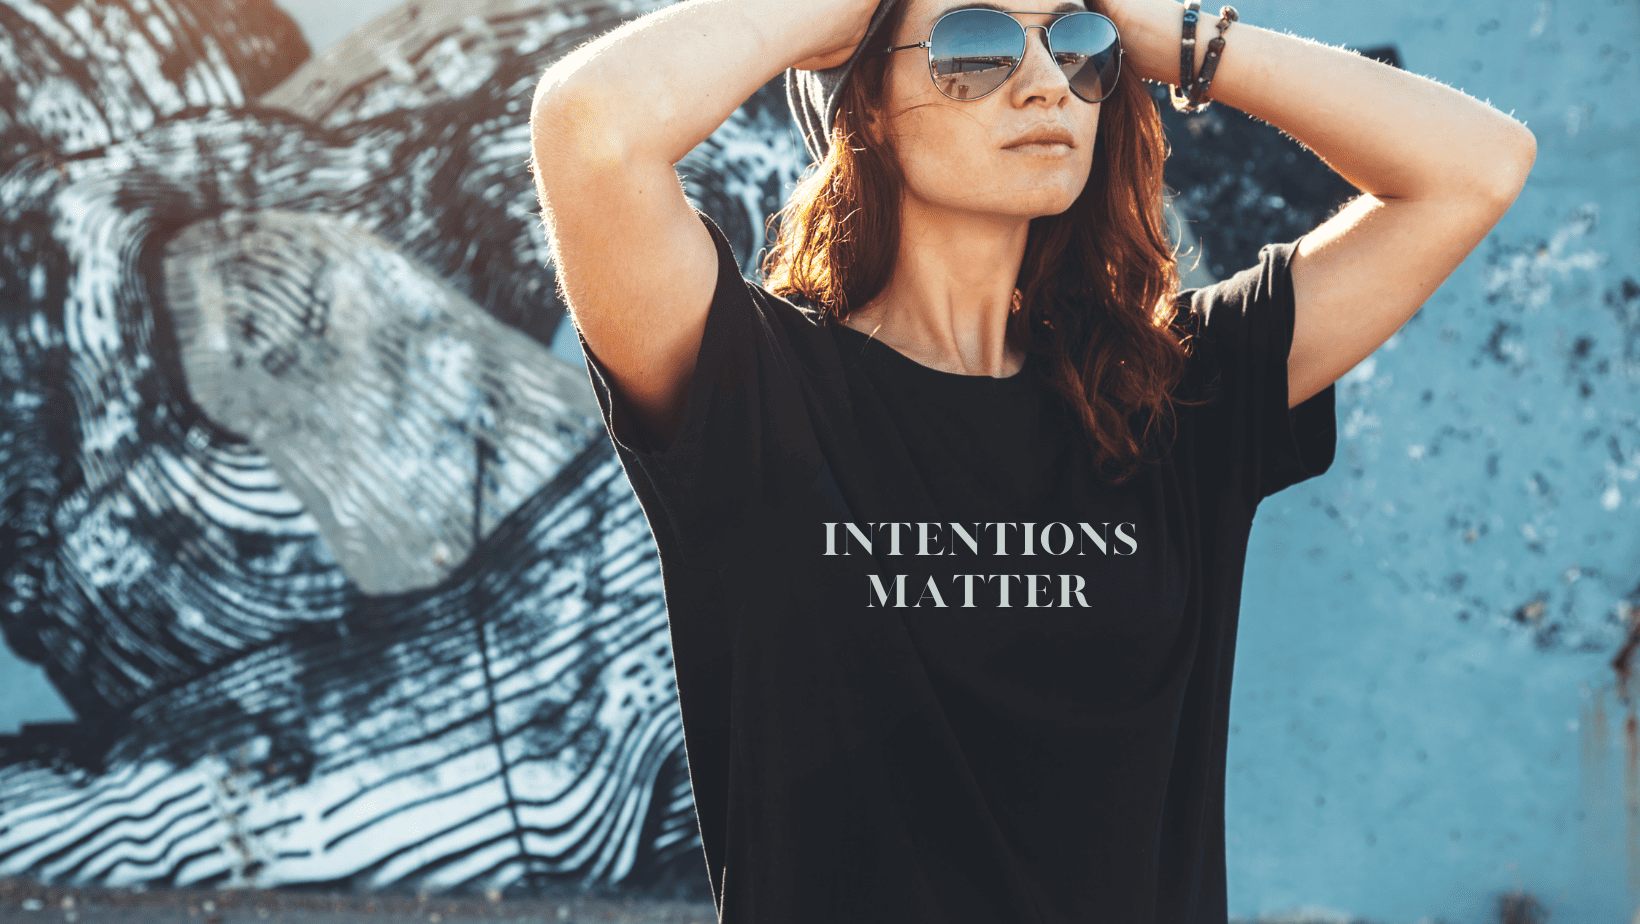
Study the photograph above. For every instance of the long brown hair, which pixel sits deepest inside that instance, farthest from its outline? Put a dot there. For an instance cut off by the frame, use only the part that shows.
(1097, 285)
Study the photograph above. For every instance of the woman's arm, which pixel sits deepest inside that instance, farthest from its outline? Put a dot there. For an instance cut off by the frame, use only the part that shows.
(1437, 169)
(609, 122)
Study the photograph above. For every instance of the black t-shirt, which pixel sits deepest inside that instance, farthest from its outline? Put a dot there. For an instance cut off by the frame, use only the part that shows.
(931, 667)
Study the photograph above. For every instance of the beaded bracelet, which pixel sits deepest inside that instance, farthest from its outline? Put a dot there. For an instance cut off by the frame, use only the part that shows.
(1197, 100)
(1187, 56)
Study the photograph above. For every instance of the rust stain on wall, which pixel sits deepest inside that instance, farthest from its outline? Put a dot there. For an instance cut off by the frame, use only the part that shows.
(1623, 666)
(1601, 804)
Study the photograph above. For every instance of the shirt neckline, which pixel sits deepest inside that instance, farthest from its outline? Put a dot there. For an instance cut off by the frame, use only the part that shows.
(908, 366)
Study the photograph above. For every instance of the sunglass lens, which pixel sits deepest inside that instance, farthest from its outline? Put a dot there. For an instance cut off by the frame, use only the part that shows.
(974, 51)
(1086, 48)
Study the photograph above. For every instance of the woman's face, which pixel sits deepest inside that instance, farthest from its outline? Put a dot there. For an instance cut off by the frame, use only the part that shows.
(1023, 151)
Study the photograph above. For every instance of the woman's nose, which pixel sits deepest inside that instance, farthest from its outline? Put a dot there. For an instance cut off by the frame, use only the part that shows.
(1038, 75)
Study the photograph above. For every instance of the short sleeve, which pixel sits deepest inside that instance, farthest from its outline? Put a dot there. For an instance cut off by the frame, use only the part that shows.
(744, 429)
(1242, 330)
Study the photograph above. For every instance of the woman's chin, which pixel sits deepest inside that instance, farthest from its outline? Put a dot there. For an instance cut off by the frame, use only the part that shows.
(1027, 199)
(1042, 202)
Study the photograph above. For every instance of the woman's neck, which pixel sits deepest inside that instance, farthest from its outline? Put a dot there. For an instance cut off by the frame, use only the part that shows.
(947, 301)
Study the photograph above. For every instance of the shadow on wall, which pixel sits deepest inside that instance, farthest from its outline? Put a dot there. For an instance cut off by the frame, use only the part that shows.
(323, 545)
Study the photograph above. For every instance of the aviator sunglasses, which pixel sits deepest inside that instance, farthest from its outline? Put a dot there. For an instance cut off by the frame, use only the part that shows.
(971, 52)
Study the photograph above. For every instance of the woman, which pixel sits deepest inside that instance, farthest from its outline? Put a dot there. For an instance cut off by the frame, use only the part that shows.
(952, 516)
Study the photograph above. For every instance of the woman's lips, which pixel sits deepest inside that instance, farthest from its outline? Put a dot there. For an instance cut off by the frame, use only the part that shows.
(1043, 148)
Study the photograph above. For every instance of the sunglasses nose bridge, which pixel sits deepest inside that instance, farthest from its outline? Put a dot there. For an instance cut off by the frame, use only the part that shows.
(1047, 51)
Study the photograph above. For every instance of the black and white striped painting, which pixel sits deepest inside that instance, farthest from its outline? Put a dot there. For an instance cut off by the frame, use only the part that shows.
(321, 542)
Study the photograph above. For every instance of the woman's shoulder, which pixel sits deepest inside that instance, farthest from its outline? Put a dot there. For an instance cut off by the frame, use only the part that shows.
(1267, 279)
(792, 308)
(799, 329)
(791, 311)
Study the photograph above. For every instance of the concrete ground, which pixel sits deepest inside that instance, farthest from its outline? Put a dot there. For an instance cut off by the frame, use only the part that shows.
(26, 901)
(23, 900)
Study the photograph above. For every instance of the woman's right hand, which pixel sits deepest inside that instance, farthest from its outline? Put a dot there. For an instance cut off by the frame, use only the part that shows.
(851, 32)
(829, 60)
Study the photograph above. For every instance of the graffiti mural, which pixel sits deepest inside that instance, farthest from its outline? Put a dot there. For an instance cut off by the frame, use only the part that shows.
(319, 540)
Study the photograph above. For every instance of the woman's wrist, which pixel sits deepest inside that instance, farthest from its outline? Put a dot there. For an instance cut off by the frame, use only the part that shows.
(1151, 32)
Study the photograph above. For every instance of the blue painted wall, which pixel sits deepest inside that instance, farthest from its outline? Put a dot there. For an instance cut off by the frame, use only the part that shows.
(1425, 709)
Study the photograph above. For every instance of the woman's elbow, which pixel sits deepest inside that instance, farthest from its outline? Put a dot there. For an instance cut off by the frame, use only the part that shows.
(1510, 163)
(571, 141)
